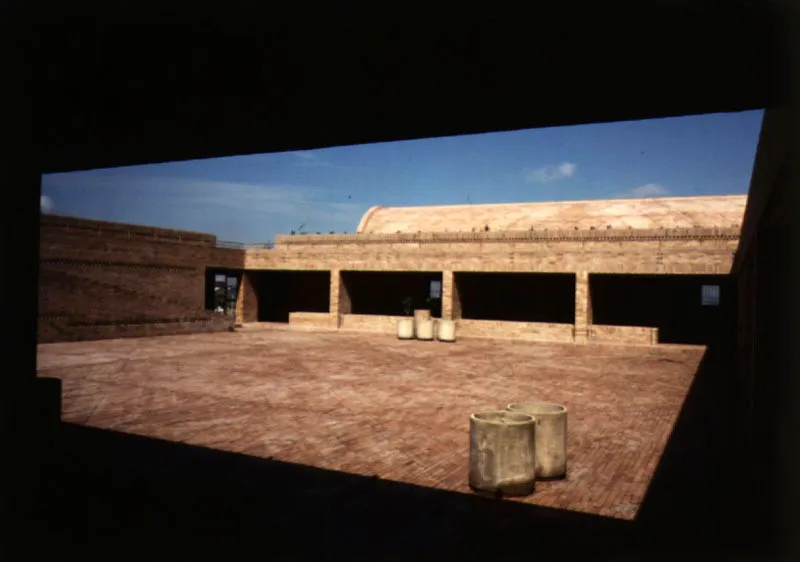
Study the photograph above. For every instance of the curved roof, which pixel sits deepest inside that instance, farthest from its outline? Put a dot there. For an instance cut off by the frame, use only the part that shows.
(666, 212)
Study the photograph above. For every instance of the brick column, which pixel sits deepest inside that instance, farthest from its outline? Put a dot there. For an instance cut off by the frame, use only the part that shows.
(239, 310)
(247, 299)
(583, 308)
(339, 299)
(447, 295)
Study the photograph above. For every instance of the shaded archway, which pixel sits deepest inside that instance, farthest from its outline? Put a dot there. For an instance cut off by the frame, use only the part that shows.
(686, 309)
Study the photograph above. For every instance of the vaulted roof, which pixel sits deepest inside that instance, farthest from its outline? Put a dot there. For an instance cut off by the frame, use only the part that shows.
(666, 212)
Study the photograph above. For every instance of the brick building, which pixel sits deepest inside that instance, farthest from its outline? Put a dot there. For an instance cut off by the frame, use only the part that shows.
(640, 271)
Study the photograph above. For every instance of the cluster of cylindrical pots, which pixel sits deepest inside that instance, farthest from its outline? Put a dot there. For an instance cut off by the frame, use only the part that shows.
(422, 327)
(510, 449)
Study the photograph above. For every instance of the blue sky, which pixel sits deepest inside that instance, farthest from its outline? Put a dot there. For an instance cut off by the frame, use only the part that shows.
(253, 198)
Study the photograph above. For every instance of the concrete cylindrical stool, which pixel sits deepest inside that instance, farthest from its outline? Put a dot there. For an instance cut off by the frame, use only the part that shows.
(447, 330)
(405, 328)
(502, 453)
(551, 437)
(425, 329)
(419, 316)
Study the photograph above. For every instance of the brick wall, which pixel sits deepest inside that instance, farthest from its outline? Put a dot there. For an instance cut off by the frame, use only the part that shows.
(370, 323)
(677, 235)
(531, 331)
(688, 251)
(312, 320)
(100, 279)
(247, 299)
(80, 299)
(160, 273)
(623, 334)
(74, 238)
(50, 331)
(184, 285)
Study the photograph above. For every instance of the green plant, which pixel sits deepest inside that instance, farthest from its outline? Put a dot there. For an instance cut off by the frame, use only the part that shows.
(408, 306)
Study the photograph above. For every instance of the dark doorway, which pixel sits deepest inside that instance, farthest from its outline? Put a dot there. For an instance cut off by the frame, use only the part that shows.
(687, 309)
(222, 288)
(390, 293)
(282, 292)
(517, 297)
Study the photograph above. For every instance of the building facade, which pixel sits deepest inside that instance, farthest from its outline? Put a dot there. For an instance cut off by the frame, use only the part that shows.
(637, 271)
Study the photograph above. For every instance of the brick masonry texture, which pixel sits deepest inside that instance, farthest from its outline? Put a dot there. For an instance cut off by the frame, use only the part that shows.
(623, 334)
(531, 331)
(106, 271)
(247, 300)
(653, 257)
(100, 280)
(374, 405)
(370, 323)
(312, 320)
(668, 212)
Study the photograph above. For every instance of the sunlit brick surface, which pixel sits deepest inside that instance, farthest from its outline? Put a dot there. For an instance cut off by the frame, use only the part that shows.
(666, 212)
(374, 405)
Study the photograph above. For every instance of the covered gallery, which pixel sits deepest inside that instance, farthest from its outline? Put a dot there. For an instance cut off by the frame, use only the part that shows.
(634, 271)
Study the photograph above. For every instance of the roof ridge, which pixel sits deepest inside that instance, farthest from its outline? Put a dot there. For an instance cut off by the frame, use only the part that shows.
(576, 201)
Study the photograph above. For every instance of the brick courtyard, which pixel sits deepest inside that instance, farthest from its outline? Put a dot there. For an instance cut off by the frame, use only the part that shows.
(372, 405)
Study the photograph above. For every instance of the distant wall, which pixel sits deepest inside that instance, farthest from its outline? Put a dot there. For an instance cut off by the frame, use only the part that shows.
(694, 251)
(100, 279)
(312, 320)
(370, 323)
(623, 334)
(531, 331)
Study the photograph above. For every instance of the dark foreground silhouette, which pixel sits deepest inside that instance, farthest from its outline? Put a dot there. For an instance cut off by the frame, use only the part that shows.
(113, 496)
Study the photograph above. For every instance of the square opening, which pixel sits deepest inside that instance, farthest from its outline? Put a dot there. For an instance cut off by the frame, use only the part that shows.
(436, 289)
(709, 295)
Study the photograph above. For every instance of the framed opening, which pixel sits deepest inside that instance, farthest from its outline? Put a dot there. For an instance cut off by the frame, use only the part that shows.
(709, 295)
(667, 302)
(222, 288)
(436, 289)
(515, 297)
(278, 293)
(392, 293)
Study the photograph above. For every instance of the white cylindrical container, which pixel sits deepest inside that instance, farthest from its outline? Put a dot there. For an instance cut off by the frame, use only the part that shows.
(405, 328)
(419, 316)
(425, 329)
(422, 314)
(502, 453)
(551, 437)
(447, 330)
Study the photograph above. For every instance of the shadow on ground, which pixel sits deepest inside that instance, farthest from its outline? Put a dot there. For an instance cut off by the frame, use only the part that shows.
(118, 496)
(704, 490)
(108, 495)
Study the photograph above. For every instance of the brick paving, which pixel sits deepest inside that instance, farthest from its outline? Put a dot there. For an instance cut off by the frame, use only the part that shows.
(373, 405)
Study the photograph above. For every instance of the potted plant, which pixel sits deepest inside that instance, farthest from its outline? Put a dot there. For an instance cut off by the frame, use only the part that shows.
(405, 325)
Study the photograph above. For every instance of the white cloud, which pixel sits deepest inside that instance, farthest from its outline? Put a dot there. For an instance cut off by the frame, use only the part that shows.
(299, 203)
(46, 204)
(307, 158)
(647, 190)
(550, 173)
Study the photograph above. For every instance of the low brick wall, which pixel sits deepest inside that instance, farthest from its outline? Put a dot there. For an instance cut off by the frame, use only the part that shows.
(531, 331)
(312, 320)
(370, 323)
(623, 334)
(58, 330)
